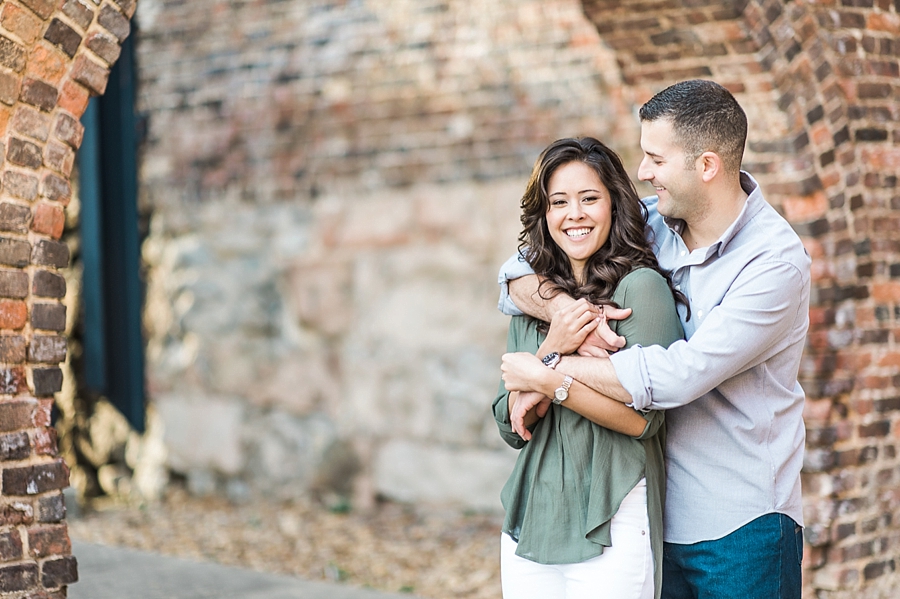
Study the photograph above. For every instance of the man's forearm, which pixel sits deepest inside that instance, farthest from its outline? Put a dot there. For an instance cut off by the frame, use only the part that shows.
(596, 373)
(524, 292)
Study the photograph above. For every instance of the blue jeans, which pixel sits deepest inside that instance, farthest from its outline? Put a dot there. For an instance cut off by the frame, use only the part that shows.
(760, 560)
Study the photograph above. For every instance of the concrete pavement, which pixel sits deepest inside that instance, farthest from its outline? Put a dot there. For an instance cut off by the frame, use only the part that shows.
(114, 573)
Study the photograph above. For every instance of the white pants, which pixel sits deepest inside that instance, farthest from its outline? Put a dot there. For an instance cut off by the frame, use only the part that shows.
(623, 571)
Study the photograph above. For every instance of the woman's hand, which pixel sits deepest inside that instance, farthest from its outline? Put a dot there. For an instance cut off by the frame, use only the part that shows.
(526, 408)
(570, 326)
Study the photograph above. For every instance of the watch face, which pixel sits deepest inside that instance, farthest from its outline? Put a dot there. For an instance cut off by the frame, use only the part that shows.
(551, 359)
(561, 394)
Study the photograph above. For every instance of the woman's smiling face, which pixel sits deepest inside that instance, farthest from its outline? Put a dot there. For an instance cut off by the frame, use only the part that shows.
(579, 215)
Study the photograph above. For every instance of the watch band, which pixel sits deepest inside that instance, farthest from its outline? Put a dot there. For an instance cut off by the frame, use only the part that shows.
(562, 392)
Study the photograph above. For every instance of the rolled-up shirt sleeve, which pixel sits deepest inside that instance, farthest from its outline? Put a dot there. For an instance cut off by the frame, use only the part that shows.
(757, 318)
(513, 268)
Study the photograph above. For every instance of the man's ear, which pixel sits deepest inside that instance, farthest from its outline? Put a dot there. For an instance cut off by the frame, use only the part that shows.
(710, 165)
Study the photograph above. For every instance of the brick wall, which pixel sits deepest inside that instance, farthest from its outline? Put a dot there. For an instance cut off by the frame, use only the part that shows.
(54, 55)
(332, 186)
(820, 82)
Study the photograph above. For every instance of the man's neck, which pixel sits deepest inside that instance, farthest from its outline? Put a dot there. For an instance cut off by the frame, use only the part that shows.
(724, 208)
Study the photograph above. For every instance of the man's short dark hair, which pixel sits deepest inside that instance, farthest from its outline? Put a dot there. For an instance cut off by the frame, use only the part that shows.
(705, 117)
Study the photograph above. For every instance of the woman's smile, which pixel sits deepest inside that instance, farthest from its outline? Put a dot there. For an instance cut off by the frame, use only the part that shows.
(579, 214)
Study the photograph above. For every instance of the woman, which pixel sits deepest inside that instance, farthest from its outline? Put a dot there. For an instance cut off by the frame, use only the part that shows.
(584, 501)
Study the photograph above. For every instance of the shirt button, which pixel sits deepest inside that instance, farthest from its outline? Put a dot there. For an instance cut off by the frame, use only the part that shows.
(699, 313)
(683, 252)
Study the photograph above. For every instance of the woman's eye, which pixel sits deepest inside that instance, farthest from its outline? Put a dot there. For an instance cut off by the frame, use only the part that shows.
(590, 199)
(558, 203)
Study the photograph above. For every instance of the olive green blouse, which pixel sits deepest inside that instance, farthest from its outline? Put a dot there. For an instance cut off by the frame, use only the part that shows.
(569, 480)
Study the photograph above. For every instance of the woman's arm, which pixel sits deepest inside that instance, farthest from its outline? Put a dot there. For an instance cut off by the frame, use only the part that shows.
(525, 372)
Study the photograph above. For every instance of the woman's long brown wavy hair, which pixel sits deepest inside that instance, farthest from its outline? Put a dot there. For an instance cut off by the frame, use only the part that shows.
(625, 250)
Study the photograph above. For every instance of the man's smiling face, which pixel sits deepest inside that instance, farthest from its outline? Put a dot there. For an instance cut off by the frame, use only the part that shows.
(665, 166)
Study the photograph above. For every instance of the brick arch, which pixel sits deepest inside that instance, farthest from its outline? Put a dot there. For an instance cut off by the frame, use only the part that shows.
(54, 55)
(820, 82)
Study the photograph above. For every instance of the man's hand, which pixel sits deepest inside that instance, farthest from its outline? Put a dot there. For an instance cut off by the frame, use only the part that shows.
(522, 371)
(602, 341)
(528, 408)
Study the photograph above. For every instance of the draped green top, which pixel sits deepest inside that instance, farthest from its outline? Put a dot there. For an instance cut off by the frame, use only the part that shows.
(569, 480)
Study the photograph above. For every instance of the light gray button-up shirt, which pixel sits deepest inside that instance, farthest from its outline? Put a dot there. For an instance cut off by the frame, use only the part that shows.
(735, 429)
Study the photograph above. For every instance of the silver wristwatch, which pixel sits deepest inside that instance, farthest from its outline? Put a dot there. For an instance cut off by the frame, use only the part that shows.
(562, 392)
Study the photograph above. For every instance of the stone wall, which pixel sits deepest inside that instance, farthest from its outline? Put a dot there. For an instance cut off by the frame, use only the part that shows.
(332, 187)
(53, 56)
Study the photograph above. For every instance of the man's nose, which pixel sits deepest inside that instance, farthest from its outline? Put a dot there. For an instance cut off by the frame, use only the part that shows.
(644, 173)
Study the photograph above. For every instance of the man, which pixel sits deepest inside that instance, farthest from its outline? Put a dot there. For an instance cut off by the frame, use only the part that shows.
(734, 408)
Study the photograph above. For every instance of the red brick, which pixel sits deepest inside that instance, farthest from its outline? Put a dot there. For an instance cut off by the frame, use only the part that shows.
(12, 54)
(47, 381)
(21, 22)
(15, 446)
(39, 93)
(44, 541)
(15, 513)
(45, 442)
(47, 63)
(18, 577)
(13, 381)
(62, 36)
(105, 46)
(31, 122)
(10, 546)
(12, 349)
(50, 349)
(49, 220)
(50, 253)
(33, 480)
(42, 8)
(74, 98)
(59, 572)
(24, 153)
(13, 314)
(56, 188)
(42, 412)
(884, 21)
(128, 6)
(20, 185)
(10, 86)
(79, 12)
(886, 293)
(16, 414)
(114, 22)
(69, 130)
(59, 157)
(90, 74)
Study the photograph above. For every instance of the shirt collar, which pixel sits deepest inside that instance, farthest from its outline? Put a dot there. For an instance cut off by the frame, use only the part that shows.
(752, 206)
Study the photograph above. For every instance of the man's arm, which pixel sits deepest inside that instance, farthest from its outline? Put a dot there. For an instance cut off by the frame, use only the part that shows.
(596, 373)
(525, 293)
(763, 313)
